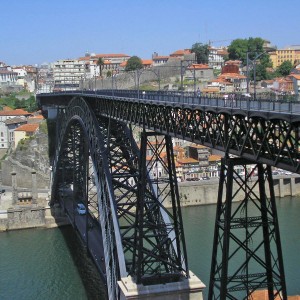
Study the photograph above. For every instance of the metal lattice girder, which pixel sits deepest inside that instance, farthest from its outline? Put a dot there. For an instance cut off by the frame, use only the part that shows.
(81, 145)
(255, 135)
(158, 254)
(100, 159)
(159, 239)
(247, 252)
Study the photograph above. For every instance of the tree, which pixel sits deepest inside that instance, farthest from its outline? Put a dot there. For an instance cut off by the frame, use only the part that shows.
(285, 68)
(201, 52)
(100, 63)
(134, 63)
(238, 49)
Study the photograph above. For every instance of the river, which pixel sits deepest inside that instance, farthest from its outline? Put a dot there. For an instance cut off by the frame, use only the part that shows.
(51, 263)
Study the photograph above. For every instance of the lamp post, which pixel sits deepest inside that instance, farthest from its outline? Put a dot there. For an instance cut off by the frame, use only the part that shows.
(253, 62)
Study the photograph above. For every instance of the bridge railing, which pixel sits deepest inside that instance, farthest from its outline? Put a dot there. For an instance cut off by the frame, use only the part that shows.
(230, 101)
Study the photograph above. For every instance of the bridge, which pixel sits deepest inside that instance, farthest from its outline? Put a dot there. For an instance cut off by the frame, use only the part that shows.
(137, 243)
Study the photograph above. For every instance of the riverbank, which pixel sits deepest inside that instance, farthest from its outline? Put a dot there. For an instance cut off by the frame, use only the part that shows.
(13, 217)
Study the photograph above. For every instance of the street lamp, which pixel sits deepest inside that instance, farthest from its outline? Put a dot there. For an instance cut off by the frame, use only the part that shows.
(253, 61)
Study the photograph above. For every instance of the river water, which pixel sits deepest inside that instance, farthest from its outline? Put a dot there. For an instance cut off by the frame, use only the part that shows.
(52, 264)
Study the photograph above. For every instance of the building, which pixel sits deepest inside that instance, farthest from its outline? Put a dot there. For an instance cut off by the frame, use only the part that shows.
(199, 153)
(21, 75)
(11, 125)
(159, 60)
(214, 165)
(190, 168)
(68, 73)
(7, 76)
(296, 83)
(199, 72)
(181, 53)
(24, 131)
(4, 131)
(290, 53)
(216, 57)
(111, 64)
(283, 85)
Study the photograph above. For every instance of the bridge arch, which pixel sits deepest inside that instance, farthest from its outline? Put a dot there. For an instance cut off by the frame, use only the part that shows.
(98, 163)
(79, 142)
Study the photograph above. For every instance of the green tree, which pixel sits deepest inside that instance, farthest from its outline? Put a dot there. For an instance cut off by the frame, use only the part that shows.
(285, 68)
(134, 63)
(100, 63)
(201, 52)
(238, 49)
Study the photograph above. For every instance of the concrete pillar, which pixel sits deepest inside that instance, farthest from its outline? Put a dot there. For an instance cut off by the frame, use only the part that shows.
(281, 188)
(293, 187)
(187, 289)
(34, 188)
(14, 187)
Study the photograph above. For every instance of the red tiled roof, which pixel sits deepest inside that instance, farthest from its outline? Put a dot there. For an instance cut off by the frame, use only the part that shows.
(181, 52)
(232, 75)
(28, 127)
(187, 160)
(147, 61)
(296, 76)
(37, 117)
(160, 57)
(214, 157)
(15, 112)
(199, 67)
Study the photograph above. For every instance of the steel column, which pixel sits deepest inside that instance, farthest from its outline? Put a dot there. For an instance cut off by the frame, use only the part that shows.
(247, 253)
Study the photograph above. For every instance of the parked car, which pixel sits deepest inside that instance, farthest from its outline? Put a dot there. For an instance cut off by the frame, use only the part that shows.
(81, 209)
(205, 178)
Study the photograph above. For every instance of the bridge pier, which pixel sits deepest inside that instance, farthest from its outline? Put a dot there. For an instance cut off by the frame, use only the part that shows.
(187, 289)
(247, 253)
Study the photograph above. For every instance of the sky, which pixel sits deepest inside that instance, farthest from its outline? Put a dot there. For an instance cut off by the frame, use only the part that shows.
(39, 31)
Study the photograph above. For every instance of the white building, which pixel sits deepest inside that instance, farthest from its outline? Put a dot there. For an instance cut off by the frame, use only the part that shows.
(5, 115)
(7, 76)
(68, 73)
(216, 57)
(21, 75)
(111, 62)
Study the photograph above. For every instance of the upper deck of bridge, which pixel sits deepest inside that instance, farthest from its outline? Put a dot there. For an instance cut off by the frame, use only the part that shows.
(280, 108)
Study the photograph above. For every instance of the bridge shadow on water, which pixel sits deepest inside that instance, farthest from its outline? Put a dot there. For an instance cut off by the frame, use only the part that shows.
(91, 279)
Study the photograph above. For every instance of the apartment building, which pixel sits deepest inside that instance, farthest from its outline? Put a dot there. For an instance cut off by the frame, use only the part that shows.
(291, 53)
(5, 132)
(216, 57)
(111, 62)
(7, 76)
(68, 73)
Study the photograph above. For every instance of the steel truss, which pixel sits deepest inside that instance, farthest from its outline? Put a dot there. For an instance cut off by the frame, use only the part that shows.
(99, 158)
(247, 252)
(267, 138)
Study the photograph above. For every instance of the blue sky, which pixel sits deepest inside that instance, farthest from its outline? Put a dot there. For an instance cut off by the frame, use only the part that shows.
(37, 31)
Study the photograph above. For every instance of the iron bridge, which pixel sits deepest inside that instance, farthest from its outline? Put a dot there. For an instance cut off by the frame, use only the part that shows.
(127, 228)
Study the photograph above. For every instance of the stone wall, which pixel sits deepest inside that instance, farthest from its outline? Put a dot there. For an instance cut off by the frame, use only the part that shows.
(169, 71)
(23, 175)
(206, 192)
(32, 216)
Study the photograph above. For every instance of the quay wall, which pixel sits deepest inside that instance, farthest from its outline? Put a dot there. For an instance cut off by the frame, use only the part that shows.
(31, 216)
(206, 192)
(191, 194)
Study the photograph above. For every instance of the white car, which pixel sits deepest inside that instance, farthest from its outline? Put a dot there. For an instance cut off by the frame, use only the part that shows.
(81, 209)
